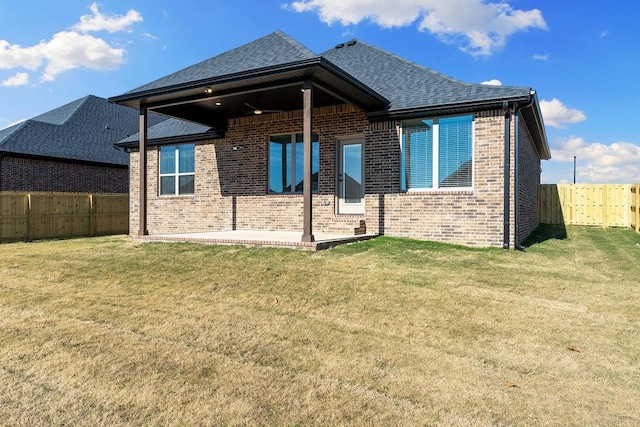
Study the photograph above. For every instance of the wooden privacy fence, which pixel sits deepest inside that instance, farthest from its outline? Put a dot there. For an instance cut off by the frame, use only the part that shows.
(31, 216)
(604, 205)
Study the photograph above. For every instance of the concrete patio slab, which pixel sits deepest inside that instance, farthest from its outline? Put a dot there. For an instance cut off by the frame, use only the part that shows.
(282, 239)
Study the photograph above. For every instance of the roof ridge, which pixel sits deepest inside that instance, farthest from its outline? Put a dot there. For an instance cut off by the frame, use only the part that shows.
(423, 67)
(409, 62)
(11, 131)
(294, 43)
(43, 118)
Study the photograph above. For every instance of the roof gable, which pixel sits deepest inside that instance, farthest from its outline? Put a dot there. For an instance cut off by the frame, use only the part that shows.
(409, 85)
(272, 50)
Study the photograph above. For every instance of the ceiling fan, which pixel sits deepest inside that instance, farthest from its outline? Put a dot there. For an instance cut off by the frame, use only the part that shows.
(257, 109)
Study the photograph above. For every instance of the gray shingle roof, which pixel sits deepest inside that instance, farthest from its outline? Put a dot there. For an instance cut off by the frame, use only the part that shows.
(83, 130)
(171, 128)
(409, 85)
(272, 50)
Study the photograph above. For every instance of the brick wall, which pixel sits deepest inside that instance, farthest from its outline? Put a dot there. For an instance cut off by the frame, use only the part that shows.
(231, 186)
(24, 174)
(529, 180)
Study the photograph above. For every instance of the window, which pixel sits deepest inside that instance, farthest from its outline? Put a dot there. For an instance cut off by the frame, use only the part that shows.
(177, 169)
(437, 153)
(286, 164)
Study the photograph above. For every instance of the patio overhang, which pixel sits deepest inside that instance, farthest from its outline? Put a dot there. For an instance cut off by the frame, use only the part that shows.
(212, 101)
(299, 85)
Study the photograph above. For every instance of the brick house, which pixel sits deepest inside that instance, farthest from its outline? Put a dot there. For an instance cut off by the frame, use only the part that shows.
(292, 140)
(69, 149)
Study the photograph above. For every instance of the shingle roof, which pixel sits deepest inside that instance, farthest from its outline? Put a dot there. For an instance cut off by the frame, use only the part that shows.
(409, 85)
(171, 128)
(272, 50)
(83, 130)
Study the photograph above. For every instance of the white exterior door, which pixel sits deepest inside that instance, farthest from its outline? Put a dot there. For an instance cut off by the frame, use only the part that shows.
(351, 177)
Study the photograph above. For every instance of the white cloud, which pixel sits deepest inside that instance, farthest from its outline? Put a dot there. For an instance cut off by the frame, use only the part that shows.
(618, 162)
(67, 50)
(493, 82)
(540, 57)
(19, 79)
(13, 56)
(479, 28)
(556, 114)
(101, 22)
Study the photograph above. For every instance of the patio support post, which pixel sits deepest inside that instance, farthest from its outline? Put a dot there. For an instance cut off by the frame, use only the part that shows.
(307, 105)
(142, 231)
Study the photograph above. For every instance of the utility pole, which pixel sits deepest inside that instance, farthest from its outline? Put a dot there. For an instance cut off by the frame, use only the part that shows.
(574, 169)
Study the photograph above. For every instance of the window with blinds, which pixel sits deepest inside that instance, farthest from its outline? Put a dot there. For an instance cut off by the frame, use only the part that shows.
(437, 153)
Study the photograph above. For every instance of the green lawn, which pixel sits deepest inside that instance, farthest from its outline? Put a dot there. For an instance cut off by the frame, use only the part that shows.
(103, 331)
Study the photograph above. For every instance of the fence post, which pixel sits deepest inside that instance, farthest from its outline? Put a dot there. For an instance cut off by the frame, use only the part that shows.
(92, 219)
(605, 219)
(637, 203)
(29, 219)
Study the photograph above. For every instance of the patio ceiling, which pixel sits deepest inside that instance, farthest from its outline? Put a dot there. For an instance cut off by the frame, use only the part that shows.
(212, 102)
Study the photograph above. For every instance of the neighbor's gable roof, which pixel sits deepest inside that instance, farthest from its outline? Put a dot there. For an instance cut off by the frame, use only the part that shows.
(83, 130)
(269, 51)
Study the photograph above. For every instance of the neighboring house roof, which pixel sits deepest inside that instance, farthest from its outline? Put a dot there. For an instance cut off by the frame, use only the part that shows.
(84, 130)
(391, 86)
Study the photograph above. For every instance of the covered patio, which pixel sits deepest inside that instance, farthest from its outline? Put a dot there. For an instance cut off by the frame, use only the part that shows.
(271, 75)
(279, 239)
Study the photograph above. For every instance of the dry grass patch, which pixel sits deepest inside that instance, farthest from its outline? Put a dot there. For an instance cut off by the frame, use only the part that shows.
(105, 332)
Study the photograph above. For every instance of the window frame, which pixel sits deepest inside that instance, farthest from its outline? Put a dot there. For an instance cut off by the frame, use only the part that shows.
(176, 174)
(315, 139)
(435, 161)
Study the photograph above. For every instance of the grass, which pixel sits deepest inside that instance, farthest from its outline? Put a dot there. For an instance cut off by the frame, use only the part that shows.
(103, 331)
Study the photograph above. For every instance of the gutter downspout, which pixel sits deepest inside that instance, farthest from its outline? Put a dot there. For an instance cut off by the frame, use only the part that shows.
(506, 172)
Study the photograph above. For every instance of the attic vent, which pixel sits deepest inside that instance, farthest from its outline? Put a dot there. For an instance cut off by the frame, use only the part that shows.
(351, 42)
(340, 46)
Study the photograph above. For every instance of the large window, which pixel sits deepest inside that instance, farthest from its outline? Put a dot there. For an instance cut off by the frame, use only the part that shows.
(437, 153)
(286, 164)
(177, 169)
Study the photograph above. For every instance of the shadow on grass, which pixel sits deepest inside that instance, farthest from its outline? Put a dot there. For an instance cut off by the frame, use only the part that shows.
(546, 232)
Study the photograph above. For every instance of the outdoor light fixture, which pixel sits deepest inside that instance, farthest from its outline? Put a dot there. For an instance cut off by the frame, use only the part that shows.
(208, 90)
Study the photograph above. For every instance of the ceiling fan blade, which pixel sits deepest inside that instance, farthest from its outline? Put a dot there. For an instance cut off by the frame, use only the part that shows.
(250, 106)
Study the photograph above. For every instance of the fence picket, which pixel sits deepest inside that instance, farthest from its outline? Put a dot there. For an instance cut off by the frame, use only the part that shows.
(32, 216)
(604, 205)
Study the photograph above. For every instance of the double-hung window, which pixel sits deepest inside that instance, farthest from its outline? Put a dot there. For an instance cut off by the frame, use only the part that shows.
(437, 153)
(286, 163)
(177, 169)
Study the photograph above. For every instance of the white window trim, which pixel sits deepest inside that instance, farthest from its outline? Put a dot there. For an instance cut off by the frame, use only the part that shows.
(436, 159)
(176, 175)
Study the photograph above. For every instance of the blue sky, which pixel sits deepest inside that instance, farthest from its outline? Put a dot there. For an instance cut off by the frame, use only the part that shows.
(581, 57)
